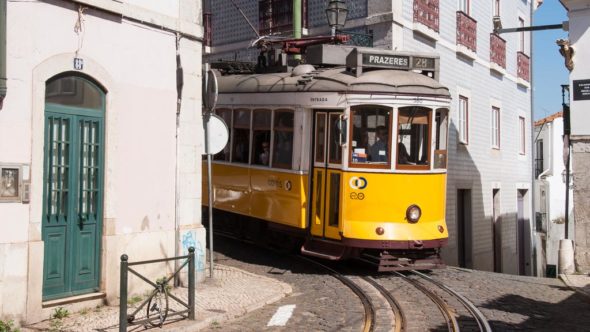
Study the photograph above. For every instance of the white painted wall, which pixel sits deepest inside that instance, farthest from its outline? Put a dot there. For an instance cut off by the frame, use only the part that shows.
(136, 64)
(551, 194)
(579, 36)
(477, 166)
(165, 7)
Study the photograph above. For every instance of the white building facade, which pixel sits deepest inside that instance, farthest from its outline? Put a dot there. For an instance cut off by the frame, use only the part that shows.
(99, 148)
(579, 39)
(489, 204)
(550, 194)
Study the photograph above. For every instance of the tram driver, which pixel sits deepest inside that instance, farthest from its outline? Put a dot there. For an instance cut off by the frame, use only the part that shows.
(378, 151)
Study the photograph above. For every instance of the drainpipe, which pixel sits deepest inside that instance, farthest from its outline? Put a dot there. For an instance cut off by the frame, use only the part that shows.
(533, 223)
(297, 23)
(3, 87)
(179, 86)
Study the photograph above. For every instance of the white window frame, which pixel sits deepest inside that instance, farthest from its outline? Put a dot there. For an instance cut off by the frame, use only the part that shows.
(495, 125)
(521, 35)
(521, 135)
(463, 119)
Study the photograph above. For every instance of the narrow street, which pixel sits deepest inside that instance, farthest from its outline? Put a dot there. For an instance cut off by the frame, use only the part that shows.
(322, 303)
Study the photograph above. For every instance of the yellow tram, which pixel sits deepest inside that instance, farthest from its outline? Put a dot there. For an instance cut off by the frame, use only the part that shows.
(347, 153)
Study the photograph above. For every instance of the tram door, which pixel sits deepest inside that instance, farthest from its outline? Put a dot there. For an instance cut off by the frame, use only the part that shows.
(327, 173)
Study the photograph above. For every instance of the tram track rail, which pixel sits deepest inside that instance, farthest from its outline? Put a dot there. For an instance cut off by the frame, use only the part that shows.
(369, 309)
(400, 321)
(478, 316)
(444, 308)
(398, 313)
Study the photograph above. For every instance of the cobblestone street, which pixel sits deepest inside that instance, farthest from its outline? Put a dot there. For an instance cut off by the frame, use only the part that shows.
(510, 303)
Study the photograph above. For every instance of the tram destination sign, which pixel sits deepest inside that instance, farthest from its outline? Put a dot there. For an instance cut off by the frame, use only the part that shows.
(389, 61)
(360, 58)
(398, 61)
(581, 89)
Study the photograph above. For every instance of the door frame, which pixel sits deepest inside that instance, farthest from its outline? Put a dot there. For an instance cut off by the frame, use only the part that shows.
(76, 116)
(320, 227)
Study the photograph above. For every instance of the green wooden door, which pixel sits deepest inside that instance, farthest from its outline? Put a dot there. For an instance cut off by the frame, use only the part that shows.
(73, 188)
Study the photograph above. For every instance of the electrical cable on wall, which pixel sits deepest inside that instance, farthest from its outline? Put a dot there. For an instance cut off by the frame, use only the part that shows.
(79, 28)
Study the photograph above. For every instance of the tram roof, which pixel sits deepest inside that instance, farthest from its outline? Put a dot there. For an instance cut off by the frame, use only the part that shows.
(337, 79)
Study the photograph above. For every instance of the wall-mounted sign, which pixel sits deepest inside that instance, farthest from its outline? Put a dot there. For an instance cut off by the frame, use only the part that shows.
(78, 63)
(581, 89)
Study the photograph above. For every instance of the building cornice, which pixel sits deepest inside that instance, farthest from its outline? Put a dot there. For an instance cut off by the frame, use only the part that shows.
(146, 16)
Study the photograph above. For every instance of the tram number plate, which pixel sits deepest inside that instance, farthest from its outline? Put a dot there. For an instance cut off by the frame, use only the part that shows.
(423, 63)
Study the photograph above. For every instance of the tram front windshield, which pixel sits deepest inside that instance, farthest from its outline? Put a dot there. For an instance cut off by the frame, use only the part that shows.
(370, 136)
(374, 143)
(413, 132)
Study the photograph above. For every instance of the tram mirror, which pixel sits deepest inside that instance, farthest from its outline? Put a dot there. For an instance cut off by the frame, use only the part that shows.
(210, 90)
(341, 125)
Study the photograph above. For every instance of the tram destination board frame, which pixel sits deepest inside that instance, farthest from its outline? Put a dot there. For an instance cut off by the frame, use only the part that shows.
(361, 58)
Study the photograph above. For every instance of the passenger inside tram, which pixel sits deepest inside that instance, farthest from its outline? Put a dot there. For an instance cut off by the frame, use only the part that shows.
(402, 154)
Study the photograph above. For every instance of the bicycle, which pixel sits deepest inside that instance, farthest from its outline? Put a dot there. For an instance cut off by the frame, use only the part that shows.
(157, 305)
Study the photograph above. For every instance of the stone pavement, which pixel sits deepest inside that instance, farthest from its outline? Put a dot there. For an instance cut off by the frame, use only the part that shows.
(578, 282)
(230, 294)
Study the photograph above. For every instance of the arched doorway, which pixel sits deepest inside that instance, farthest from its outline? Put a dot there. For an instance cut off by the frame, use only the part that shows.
(73, 185)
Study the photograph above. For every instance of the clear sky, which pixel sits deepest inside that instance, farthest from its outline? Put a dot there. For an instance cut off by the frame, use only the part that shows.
(549, 72)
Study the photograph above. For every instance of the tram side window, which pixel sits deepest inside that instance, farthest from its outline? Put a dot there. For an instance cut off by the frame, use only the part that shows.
(282, 154)
(441, 138)
(261, 137)
(371, 132)
(241, 136)
(225, 114)
(413, 132)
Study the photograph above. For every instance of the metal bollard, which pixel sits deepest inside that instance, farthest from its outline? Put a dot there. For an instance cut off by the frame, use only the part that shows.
(123, 294)
(191, 283)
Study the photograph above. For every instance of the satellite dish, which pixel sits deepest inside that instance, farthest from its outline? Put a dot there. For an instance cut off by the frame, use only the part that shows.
(215, 132)
(210, 90)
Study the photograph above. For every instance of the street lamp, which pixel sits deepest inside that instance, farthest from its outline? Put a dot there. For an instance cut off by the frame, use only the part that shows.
(498, 29)
(336, 14)
(566, 154)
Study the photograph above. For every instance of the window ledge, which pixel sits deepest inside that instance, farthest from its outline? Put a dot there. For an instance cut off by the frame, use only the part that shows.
(497, 68)
(466, 52)
(426, 31)
(523, 83)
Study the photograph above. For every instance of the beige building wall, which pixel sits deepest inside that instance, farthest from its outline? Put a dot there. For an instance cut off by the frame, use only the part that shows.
(152, 158)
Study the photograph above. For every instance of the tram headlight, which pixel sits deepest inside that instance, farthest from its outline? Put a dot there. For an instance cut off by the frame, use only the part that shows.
(413, 213)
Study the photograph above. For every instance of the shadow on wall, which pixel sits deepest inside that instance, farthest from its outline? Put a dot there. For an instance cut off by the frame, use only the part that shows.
(481, 237)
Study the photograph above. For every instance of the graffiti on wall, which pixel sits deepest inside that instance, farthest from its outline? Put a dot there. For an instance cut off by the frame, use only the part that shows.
(189, 239)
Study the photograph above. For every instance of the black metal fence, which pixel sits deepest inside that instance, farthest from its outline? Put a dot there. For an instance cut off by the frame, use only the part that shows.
(126, 319)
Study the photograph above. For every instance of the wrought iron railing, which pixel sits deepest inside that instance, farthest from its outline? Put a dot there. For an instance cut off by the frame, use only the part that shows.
(498, 50)
(523, 62)
(466, 31)
(126, 319)
(358, 39)
(426, 12)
